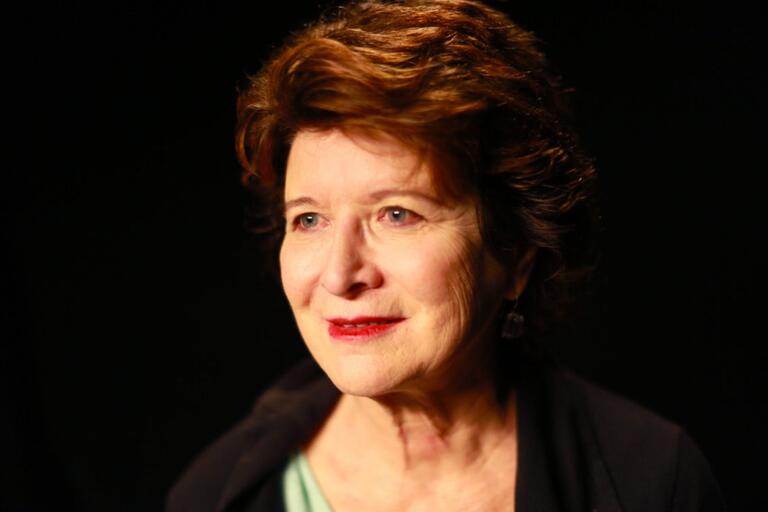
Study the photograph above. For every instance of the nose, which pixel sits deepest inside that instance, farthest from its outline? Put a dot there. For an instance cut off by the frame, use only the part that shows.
(349, 269)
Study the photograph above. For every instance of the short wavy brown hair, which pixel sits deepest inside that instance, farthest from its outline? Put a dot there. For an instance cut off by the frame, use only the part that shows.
(453, 76)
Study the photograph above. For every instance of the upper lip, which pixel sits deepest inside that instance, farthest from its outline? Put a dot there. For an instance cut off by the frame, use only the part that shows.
(364, 320)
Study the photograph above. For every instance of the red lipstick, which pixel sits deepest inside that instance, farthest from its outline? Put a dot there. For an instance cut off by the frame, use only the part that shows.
(361, 328)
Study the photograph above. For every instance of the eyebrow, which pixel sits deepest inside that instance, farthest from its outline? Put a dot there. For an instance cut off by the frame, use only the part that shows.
(377, 195)
(382, 194)
(299, 201)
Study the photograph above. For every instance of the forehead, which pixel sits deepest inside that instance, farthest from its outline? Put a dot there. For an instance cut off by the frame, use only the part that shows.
(337, 160)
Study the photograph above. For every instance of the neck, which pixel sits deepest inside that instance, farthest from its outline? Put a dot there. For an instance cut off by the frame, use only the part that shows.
(445, 429)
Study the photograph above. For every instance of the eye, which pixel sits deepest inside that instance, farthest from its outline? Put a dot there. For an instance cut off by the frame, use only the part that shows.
(309, 220)
(399, 216)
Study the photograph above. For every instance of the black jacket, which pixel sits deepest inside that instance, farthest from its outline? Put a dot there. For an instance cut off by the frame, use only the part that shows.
(580, 448)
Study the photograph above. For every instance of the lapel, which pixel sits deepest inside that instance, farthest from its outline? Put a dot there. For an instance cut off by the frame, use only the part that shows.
(286, 416)
(560, 467)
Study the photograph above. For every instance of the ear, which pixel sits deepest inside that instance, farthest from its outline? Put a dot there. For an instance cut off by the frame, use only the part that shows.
(521, 267)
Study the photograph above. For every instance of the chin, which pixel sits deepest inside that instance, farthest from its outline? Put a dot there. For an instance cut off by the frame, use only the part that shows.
(361, 375)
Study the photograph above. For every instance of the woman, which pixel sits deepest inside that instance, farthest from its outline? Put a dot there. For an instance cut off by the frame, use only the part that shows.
(431, 210)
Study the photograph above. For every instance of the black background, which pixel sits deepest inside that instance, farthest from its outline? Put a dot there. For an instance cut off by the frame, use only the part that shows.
(137, 326)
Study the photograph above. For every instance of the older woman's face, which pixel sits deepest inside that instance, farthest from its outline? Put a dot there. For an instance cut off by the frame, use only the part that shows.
(389, 282)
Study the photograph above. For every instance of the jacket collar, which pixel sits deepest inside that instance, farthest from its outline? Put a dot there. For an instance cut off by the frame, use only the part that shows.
(282, 419)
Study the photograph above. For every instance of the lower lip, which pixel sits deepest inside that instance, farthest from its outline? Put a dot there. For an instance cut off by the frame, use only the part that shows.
(349, 333)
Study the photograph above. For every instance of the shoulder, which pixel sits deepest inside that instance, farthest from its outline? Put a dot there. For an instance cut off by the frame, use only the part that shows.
(621, 426)
(652, 462)
(257, 446)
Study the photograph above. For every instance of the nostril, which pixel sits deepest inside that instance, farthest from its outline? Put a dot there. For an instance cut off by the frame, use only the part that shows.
(350, 285)
(351, 280)
(356, 289)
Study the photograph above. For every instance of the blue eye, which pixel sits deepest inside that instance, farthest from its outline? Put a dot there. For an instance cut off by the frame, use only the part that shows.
(307, 220)
(397, 214)
(400, 216)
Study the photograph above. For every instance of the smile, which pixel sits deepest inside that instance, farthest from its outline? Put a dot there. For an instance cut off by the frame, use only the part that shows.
(361, 328)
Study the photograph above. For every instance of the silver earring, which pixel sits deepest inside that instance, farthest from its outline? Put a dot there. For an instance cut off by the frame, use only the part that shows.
(514, 324)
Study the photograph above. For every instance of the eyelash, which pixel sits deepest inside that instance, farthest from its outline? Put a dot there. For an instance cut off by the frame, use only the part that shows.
(297, 225)
(411, 217)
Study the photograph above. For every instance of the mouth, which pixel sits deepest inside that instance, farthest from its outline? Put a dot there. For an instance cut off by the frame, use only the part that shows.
(361, 328)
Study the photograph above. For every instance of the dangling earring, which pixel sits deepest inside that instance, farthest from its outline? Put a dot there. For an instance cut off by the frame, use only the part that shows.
(514, 324)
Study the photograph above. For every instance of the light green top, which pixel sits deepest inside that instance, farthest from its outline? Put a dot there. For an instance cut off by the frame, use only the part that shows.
(300, 490)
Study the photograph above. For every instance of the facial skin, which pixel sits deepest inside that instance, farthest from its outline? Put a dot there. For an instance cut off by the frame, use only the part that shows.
(368, 234)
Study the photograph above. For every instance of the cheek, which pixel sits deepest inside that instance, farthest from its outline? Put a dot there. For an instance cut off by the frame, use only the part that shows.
(296, 273)
(439, 275)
